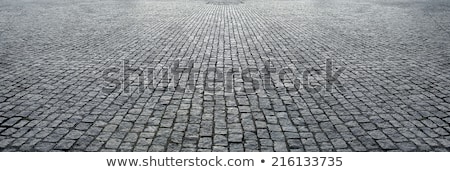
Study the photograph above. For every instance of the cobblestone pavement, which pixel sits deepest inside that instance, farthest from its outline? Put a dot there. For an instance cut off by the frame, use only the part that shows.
(389, 60)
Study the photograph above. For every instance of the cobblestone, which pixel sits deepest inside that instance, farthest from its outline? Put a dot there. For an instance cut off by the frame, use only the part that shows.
(64, 144)
(395, 83)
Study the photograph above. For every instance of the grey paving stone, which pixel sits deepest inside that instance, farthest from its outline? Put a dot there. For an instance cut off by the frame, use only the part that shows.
(267, 149)
(312, 149)
(11, 121)
(5, 142)
(291, 135)
(61, 131)
(219, 149)
(44, 146)
(19, 142)
(294, 144)
(126, 147)
(357, 146)
(266, 142)
(272, 127)
(339, 143)
(110, 128)
(93, 131)
(235, 138)
(113, 143)
(277, 136)
(368, 142)
(220, 140)
(54, 137)
(160, 140)
(386, 144)
(205, 142)
(377, 134)
(236, 147)
(444, 142)
(64, 144)
(280, 146)
(407, 146)
(83, 142)
(321, 137)
(74, 134)
(43, 133)
(131, 137)
(260, 124)
(309, 142)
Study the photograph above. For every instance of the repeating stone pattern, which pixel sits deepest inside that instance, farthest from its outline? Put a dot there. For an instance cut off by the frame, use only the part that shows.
(395, 53)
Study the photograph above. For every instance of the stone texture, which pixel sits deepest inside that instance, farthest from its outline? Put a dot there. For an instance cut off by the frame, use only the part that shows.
(228, 75)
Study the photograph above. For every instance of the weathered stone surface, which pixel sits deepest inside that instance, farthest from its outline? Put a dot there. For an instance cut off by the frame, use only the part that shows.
(227, 75)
